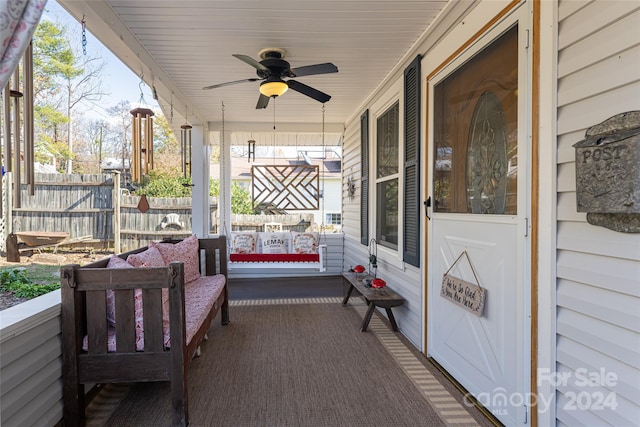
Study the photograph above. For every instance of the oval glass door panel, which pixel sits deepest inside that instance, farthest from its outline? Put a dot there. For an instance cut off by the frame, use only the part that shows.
(487, 158)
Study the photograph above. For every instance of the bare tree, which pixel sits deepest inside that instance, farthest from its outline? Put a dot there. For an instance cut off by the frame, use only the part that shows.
(122, 112)
(57, 66)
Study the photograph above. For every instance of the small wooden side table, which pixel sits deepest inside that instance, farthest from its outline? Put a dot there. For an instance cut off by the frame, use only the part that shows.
(376, 297)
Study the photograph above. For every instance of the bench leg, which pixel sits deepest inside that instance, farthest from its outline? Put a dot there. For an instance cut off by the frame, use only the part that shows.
(367, 318)
(392, 320)
(225, 307)
(347, 296)
(225, 313)
(73, 399)
(179, 404)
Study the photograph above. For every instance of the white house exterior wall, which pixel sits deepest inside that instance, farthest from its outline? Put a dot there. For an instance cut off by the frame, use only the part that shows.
(598, 270)
(435, 46)
(591, 275)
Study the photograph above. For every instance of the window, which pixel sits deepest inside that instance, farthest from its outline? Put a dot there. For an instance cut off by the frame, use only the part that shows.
(475, 136)
(333, 219)
(387, 175)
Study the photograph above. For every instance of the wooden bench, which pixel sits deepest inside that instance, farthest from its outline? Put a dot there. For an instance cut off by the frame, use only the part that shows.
(88, 356)
(382, 297)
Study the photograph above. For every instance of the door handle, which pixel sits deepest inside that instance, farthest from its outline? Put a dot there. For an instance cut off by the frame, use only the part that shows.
(427, 205)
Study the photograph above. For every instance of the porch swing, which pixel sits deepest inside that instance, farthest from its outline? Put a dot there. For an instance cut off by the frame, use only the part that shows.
(286, 187)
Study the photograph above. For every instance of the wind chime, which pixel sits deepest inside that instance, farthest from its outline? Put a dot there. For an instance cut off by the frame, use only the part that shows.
(141, 146)
(141, 143)
(251, 150)
(142, 140)
(185, 141)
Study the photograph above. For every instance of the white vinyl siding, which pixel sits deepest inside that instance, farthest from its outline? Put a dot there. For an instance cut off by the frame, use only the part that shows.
(31, 369)
(402, 278)
(598, 270)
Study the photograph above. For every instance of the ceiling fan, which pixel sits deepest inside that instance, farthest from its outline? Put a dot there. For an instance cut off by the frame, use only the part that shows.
(273, 68)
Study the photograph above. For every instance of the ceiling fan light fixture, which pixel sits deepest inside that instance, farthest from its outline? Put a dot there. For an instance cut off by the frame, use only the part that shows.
(273, 88)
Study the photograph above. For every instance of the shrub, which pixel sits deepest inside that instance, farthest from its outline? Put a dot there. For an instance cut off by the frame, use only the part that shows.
(15, 280)
(158, 184)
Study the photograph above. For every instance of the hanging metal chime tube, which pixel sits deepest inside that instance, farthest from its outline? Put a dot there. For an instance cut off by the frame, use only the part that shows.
(185, 139)
(148, 144)
(135, 149)
(29, 148)
(6, 161)
(17, 179)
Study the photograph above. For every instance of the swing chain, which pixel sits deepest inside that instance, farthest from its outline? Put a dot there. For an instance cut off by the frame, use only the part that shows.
(323, 227)
(223, 182)
(84, 36)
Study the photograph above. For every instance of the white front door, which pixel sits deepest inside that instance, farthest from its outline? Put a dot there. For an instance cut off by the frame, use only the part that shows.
(477, 187)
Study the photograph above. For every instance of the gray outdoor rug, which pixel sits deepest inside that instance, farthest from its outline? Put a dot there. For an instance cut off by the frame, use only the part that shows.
(296, 363)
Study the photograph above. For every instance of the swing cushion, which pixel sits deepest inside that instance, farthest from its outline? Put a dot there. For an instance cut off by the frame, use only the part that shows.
(304, 243)
(243, 242)
(274, 257)
(273, 242)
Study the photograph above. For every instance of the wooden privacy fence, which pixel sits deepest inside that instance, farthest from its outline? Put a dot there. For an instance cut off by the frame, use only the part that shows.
(166, 217)
(293, 222)
(83, 206)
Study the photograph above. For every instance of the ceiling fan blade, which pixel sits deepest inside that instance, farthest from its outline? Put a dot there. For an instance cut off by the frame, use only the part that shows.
(249, 60)
(253, 79)
(263, 101)
(309, 91)
(309, 70)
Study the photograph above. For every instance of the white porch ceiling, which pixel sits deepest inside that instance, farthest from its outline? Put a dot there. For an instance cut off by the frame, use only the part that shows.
(183, 46)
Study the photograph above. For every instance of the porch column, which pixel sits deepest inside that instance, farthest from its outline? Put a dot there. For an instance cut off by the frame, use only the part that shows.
(200, 153)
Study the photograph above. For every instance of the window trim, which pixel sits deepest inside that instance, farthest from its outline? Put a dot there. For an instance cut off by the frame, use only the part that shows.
(326, 214)
(388, 179)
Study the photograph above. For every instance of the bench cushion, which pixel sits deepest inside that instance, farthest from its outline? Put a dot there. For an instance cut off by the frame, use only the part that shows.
(114, 262)
(200, 295)
(148, 258)
(185, 251)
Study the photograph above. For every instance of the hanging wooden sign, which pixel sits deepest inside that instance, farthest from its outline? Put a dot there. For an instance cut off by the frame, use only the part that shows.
(467, 295)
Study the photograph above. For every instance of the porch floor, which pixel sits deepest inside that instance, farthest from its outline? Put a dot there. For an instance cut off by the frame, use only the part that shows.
(296, 357)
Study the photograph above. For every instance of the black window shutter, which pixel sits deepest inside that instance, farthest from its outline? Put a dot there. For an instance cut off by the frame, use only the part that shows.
(411, 247)
(364, 178)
